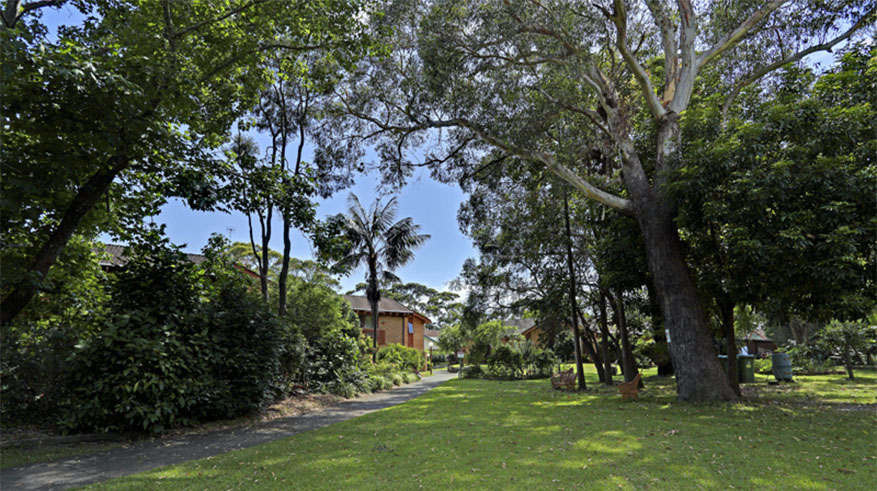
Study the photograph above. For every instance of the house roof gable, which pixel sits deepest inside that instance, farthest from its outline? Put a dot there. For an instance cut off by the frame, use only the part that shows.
(385, 306)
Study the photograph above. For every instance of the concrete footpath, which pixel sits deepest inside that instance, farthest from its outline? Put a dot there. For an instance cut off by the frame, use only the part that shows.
(143, 456)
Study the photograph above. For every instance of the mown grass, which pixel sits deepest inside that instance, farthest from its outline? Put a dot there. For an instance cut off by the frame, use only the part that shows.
(480, 434)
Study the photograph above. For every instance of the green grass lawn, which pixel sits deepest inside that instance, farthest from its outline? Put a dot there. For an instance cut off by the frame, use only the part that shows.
(479, 434)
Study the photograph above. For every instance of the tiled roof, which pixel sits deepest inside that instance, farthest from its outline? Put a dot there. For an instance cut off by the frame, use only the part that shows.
(433, 333)
(115, 256)
(520, 325)
(385, 305)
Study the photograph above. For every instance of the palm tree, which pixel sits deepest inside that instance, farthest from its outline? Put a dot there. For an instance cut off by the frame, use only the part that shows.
(379, 244)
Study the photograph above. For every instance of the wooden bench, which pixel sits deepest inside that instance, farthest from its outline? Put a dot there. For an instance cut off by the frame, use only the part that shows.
(564, 380)
(630, 389)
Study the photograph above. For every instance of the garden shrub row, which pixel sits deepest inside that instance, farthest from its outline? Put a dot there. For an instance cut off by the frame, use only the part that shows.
(169, 343)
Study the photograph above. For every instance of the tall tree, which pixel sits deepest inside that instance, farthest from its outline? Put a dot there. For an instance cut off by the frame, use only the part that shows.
(131, 93)
(381, 244)
(554, 82)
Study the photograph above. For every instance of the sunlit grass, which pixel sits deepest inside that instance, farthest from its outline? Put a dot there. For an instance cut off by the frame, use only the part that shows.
(477, 434)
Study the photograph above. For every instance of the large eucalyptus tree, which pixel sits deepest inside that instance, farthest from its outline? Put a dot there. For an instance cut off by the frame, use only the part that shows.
(587, 88)
(380, 244)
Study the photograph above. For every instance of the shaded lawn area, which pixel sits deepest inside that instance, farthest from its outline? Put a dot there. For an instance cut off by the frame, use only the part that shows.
(465, 434)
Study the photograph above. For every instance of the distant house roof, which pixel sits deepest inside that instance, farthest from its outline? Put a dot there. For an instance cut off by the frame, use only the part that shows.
(115, 257)
(757, 335)
(432, 334)
(385, 306)
(520, 325)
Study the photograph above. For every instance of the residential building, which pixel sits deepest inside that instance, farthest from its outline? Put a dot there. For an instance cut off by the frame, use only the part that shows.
(397, 324)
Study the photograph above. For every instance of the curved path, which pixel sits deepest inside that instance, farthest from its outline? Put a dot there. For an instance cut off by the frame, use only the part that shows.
(141, 457)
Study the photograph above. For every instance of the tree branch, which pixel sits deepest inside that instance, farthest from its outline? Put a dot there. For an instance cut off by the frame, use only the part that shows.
(737, 34)
(230, 13)
(757, 74)
(619, 18)
(668, 40)
(14, 10)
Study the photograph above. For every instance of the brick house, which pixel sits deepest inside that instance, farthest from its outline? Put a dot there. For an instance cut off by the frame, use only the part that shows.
(397, 324)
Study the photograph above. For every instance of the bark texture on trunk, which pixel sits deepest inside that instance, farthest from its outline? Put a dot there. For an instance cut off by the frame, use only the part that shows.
(604, 333)
(580, 371)
(85, 199)
(284, 269)
(627, 363)
(727, 311)
(589, 343)
(699, 376)
(848, 364)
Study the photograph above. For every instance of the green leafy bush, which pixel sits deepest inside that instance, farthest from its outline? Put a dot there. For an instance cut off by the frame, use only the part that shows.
(147, 366)
(763, 365)
(543, 361)
(205, 347)
(472, 371)
(506, 361)
(404, 358)
(245, 340)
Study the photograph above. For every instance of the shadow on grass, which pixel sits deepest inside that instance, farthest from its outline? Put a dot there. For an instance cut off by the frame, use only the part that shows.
(476, 434)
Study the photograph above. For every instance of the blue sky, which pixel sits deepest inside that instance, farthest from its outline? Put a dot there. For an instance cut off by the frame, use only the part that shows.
(431, 204)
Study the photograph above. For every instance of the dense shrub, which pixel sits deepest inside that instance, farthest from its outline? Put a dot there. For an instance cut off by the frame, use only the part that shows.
(472, 371)
(205, 347)
(405, 359)
(332, 365)
(506, 361)
(35, 348)
(245, 341)
(147, 366)
(543, 362)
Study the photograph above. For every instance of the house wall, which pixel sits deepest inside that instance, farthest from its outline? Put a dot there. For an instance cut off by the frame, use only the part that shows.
(396, 329)
(418, 333)
(533, 336)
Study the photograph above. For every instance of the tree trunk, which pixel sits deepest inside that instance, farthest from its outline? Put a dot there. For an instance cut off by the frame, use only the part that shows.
(374, 296)
(727, 311)
(284, 270)
(572, 300)
(627, 363)
(86, 197)
(592, 347)
(604, 333)
(266, 239)
(848, 364)
(699, 376)
(665, 368)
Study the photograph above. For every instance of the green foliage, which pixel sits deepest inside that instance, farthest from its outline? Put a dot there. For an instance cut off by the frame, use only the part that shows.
(472, 371)
(486, 336)
(332, 364)
(505, 361)
(452, 339)
(245, 340)
(146, 367)
(403, 358)
(204, 348)
(543, 361)
(34, 350)
(763, 365)
(778, 208)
